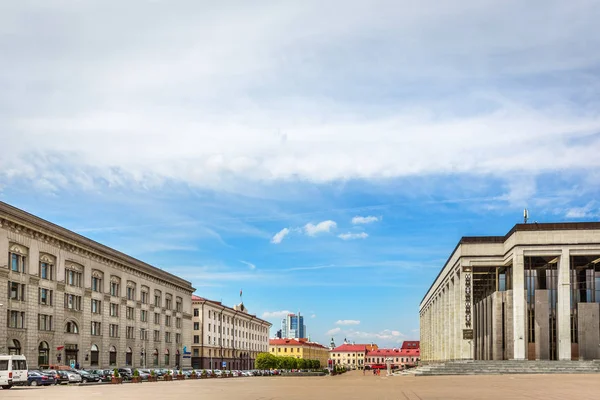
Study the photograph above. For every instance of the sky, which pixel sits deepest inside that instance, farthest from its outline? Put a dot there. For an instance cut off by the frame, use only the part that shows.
(324, 157)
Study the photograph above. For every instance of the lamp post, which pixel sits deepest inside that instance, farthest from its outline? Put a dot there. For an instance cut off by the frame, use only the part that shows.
(143, 345)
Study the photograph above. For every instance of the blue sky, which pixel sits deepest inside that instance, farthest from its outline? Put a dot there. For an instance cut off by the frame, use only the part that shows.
(325, 157)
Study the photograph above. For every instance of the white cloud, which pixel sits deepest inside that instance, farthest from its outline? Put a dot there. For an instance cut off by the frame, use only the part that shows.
(275, 314)
(586, 211)
(334, 331)
(313, 316)
(280, 235)
(387, 335)
(249, 264)
(350, 236)
(364, 220)
(347, 322)
(323, 226)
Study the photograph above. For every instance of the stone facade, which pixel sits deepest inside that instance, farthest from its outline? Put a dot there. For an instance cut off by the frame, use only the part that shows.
(531, 294)
(226, 338)
(67, 297)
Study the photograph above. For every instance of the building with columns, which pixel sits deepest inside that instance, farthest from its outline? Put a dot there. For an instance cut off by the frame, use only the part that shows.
(226, 337)
(532, 294)
(67, 298)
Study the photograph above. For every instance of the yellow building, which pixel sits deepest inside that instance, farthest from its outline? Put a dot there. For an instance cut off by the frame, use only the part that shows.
(351, 356)
(299, 348)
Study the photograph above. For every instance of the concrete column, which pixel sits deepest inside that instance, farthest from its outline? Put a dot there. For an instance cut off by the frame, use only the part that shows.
(457, 317)
(542, 325)
(588, 316)
(466, 345)
(519, 309)
(451, 319)
(496, 325)
(563, 307)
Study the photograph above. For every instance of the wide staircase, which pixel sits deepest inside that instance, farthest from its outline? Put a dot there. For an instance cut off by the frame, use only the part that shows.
(472, 367)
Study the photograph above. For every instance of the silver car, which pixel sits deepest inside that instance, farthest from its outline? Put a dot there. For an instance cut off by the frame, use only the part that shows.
(74, 377)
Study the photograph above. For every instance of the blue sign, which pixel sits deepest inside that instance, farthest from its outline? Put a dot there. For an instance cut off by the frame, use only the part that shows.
(224, 364)
(185, 351)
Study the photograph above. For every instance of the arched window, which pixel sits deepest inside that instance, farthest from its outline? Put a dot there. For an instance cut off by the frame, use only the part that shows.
(128, 357)
(43, 354)
(166, 357)
(14, 347)
(112, 356)
(155, 354)
(94, 355)
(71, 327)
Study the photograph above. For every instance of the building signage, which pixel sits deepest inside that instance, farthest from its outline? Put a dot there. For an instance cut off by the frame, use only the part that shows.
(467, 334)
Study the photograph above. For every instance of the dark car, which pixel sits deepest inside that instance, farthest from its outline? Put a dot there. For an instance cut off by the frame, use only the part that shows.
(35, 378)
(126, 373)
(104, 374)
(87, 376)
(58, 378)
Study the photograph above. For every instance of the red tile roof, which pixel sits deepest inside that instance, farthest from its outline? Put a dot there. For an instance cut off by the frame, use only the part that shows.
(411, 344)
(294, 342)
(394, 353)
(350, 348)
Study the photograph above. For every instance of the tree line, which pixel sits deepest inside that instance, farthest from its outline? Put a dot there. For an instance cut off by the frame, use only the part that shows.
(270, 361)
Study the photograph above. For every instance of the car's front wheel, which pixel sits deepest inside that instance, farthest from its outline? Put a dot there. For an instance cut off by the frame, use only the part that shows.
(33, 383)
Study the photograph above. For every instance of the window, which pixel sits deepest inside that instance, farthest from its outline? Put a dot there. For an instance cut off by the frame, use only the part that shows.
(130, 313)
(96, 329)
(178, 322)
(17, 262)
(196, 339)
(143, 334)
(71, 327)
(114, 310)
(114, 289)
(96, 284)
(44, 322)
(113, 330)
(157, 301)
(130, 293)
(179, 306)
(73, 278)
(196, 326)
(157, 318)
(16, 319)
(96, 306)
(196, 353)
(45, 297)
(16, 291)
(168, 303)
(130, 332)
(72, 302)
(197, 313)
(46, 271)
(144, 316)
(144, 297)
(167, 320)
(168, 337)
(209, 340)
(157, 336)
(178, 338)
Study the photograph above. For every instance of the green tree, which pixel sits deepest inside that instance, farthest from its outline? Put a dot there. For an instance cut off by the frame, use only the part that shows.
(266, 361)
(302, 363)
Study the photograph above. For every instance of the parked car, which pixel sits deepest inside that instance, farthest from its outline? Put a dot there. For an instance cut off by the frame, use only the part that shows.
(144, 374)
(58, 378)
(73, 377)
(13, 371)
(36, 378)
(88, 376)
(125, 373)
(104, 374)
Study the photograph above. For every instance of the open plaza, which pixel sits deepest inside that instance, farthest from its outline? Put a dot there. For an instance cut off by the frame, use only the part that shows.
(353, 385)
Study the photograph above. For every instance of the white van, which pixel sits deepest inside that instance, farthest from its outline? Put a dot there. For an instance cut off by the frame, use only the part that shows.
(13, 371)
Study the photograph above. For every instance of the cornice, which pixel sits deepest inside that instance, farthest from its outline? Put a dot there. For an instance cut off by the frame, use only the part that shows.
(23, 223)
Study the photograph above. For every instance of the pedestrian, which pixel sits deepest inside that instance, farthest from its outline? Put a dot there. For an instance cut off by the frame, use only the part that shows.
(77, 366)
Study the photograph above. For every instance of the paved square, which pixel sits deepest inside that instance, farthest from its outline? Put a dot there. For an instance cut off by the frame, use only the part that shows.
(349, 386)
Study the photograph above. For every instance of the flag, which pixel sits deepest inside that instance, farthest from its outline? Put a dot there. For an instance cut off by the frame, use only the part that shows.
(59, 348)
(240, 292)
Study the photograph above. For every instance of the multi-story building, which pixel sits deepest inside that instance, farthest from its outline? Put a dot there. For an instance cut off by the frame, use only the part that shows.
(225, 337)
(532, 294)
(70, 299)
(406, 356)
(299, 348)
(351, 356)
(292, 327)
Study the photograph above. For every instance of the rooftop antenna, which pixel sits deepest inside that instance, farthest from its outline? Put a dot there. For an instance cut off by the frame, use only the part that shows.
(525, 216)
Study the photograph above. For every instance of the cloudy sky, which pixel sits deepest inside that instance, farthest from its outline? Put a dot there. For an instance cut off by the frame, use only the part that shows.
(325, 156)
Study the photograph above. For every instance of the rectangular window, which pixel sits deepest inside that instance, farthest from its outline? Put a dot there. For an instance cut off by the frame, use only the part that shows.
(144, 297)
(16, 319)
(96, 284)
(178, 322)
(196, 339)
(209, 340)
(168, 303)
(73, 278)
(144, 316)
(16, 291)
(113, 330)
(96, 329)
(143, 334)
(114, 310)
(96, 306)
(130, 293)
(44, 322)
(157, 318)
(130, 332)
(168, 337)
(72, 302)
(167, 320)
(45, 297)
(178, 338)
(197, 312)
(130, 313)
(114, 289)
(17, 262)
(157, 301)
(46, 271)
(157, 336)
(179, 306)
(196, 326)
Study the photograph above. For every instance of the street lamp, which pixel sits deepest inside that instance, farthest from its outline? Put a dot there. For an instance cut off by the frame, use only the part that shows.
(144, 350)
